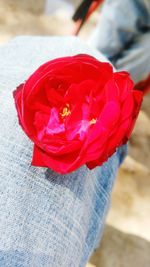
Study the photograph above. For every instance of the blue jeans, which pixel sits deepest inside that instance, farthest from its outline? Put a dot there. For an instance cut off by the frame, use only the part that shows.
(56, 220)
(46, 220)
(123, 35)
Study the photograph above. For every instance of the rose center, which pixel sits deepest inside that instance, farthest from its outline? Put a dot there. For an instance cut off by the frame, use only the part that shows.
(93, 121)
(66, 111)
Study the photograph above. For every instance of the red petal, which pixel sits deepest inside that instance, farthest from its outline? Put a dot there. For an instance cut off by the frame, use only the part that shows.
(18, 102)
(138, 98)
(124, 83)
(53, 96)
(127, 107)
(110, 115)
(77, 123)
(63, 164)
(78, 92)
(112, 91)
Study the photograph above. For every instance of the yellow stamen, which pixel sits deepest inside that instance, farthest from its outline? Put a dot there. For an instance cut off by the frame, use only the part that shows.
(66, 111)
(93, 121)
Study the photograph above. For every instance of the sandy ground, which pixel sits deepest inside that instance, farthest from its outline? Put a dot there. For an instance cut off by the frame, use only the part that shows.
(126, 241)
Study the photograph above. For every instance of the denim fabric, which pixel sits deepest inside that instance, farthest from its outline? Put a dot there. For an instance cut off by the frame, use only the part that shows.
(46, 220)
(123, 35)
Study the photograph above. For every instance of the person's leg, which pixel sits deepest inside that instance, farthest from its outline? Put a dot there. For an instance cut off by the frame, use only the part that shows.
(56, 221)
(119, 22)
(136, 58)
(119, 36)
(46, 219)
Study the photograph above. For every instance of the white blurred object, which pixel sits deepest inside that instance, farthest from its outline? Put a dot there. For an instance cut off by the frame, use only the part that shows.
(58, 6)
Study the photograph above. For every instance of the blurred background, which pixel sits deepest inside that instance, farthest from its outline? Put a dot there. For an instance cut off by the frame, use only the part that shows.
(126, 240)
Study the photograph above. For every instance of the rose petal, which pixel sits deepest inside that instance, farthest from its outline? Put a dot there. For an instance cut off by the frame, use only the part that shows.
(110, 114)
(112, 91)
(78, 92)
(127, 107)
(53, 95)
(124, 84)
(62, 164)
(77, 123)
(54, 125)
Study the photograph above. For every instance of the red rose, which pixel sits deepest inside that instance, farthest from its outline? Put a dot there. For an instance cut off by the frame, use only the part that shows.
(77, 111)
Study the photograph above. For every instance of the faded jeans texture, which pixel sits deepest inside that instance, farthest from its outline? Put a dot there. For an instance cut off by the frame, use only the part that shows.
(46, 220)
(123, 35)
